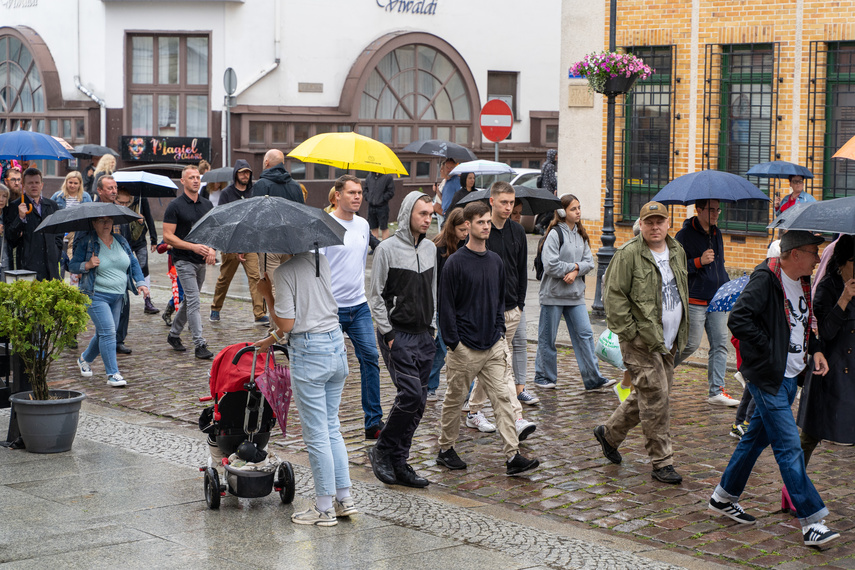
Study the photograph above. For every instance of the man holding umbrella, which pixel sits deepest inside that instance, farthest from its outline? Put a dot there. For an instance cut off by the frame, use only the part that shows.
(37, 252)
(702, 241)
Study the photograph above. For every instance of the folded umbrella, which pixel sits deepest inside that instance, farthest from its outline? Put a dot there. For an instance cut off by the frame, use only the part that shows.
(483, 167)
(27, 145)
(708, 185)
(727, 295)
(79, 218)
(438, 147)
(224, 174)
(349, 150)
(831, 216)
(779, 169)
(92, 150)
(534, 200)
(145, 184)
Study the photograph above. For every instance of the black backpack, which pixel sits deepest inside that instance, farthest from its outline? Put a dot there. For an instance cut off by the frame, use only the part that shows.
(538, 260)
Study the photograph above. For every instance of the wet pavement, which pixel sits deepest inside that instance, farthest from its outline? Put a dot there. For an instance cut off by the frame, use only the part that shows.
(574, 486)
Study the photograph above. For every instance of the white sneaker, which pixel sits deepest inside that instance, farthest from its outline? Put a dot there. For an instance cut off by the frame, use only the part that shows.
(723, 399)
(740, 378)
(524, 428)
(479, 422)
(465, 406)
(116, 380)
(85, 370)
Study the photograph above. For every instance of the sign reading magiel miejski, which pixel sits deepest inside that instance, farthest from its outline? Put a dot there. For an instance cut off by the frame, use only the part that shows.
(166, 149)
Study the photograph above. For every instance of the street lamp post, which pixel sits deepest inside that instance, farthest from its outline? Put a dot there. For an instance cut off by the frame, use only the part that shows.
(607, 251)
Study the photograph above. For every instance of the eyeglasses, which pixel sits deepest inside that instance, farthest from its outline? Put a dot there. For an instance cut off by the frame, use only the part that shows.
(797, 181)
(813, 253)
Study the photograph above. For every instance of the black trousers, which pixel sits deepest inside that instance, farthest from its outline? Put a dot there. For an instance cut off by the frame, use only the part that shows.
(122, 329)
(409, 363)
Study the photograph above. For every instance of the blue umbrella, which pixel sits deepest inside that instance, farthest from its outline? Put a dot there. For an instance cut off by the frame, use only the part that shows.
(708, 185)
(779, 169)
(727, 295)
(27, 145)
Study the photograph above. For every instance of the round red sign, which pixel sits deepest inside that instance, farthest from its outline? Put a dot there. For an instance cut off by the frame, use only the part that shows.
(497, 120)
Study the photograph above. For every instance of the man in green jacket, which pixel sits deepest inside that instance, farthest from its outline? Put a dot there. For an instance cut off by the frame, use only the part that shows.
(647, 303)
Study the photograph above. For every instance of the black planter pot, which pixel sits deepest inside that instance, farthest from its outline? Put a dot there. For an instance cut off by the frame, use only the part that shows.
(618, 85)
(48, 426)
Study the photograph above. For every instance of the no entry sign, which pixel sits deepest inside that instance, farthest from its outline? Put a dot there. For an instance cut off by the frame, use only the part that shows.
(497, 120)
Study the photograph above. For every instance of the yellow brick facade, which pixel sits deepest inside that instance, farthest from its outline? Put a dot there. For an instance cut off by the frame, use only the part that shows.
(792, 25)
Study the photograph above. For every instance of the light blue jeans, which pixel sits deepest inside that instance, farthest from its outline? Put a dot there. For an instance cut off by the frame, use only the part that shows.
(318, 372)
(579, 327)
(105, 311)
(715, 325)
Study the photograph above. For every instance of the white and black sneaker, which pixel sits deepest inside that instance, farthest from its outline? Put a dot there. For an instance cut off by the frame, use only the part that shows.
(818, 534)
(734, 511)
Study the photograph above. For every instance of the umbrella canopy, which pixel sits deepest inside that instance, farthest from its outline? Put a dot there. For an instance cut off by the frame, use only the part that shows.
(349, 150)
(779, 169)
(534, 200)
(27, 145)
(78, 219)
(92, 150)
(438, 147)
(145, 184)
(483, 167)
(727, 295)
(832, 216)
(266, 224)
(224, 174)
(708, 185)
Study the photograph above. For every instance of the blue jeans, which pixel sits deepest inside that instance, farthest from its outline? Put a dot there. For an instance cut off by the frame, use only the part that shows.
(715, 325)
(579, 327)
(318, 372)
(438, 362)
(773, 423)
(105, 310)
(356, 322)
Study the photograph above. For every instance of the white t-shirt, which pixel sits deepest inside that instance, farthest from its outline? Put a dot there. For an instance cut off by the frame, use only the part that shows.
(796, 302)
(347, 262)
(672, 306)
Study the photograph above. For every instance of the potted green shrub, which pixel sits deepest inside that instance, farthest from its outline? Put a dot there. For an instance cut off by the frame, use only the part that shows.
(40, 319)
(611, 73)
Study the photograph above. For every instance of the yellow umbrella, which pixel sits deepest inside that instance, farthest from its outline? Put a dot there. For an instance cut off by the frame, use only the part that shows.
(847, 150)
(349, 150)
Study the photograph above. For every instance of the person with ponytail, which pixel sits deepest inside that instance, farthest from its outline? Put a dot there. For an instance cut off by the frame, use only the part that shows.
(567, 259)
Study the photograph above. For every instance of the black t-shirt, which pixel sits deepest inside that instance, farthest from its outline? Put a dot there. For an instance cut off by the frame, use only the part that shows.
(184, 212)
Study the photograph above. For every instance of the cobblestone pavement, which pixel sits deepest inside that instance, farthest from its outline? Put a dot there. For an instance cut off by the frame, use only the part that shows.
(574, 483)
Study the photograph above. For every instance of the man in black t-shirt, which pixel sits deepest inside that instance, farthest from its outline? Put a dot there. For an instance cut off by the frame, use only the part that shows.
(189, 258)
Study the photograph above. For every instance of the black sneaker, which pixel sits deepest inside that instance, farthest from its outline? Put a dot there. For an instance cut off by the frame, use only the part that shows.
(611, 453)
(450, 459)
(175, 343)
(818, 534)
(667, 475)
(407, 476)
(732, 510)
(373, 432)
(122, 349)
(381, 466)
(202, 352)
(519, 464)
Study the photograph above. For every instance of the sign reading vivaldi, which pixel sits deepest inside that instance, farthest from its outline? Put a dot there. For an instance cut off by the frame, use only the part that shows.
(423, 7)
(166, 149)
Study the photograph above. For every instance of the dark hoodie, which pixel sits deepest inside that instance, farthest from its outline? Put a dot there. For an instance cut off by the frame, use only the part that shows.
(275, 181)
(550, 180)
(704, 280)
(230, 192)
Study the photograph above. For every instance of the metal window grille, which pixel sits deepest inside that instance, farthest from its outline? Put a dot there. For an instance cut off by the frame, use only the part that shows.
(831, 118)
(740, 121)
(646, 140)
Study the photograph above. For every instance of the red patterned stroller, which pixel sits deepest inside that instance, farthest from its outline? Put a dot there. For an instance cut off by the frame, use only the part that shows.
(239, 423)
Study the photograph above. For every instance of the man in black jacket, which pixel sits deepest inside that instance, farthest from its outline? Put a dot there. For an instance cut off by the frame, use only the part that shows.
(701, 239)
(379, 190)
(771, 319)
(275, 180)
(135, 232)
(39, 252)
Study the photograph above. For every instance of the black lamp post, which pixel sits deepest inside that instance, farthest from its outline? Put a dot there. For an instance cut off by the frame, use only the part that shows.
(607, 251)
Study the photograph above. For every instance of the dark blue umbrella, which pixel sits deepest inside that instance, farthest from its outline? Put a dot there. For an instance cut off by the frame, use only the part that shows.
(727, 295)
(708, 185)
(27, 145)
(779, 169)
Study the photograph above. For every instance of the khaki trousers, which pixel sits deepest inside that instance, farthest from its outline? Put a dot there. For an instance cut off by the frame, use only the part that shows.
(478, 398)
(228, 267)
(491, 367)
(648, 403)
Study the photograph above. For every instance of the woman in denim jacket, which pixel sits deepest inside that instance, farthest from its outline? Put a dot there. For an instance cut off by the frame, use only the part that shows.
(107, 267)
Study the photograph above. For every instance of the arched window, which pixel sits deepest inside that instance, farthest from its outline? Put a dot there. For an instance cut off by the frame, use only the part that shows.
(21, 92)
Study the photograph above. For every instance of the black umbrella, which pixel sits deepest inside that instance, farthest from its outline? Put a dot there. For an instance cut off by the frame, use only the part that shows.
(534, 200)
(437, 147)
(78, 218)
(266, 224)
(831, 216)
(92, 150)
(224, 174)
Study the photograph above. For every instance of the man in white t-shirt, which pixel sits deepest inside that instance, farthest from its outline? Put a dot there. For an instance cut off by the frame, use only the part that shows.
(646, 300)
(347, 267)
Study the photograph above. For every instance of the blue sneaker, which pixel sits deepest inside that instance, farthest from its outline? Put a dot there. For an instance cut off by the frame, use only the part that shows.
(526, 397)
(215, 316)
(263, 320)
(545, 384)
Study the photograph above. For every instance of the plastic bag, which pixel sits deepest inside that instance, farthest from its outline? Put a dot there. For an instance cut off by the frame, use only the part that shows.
(608, 349)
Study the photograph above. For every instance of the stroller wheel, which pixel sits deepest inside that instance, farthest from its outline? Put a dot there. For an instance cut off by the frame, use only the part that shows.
(286, 483)
(212, 488)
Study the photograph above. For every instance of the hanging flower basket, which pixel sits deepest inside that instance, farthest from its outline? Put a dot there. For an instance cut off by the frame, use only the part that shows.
(611, 73)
